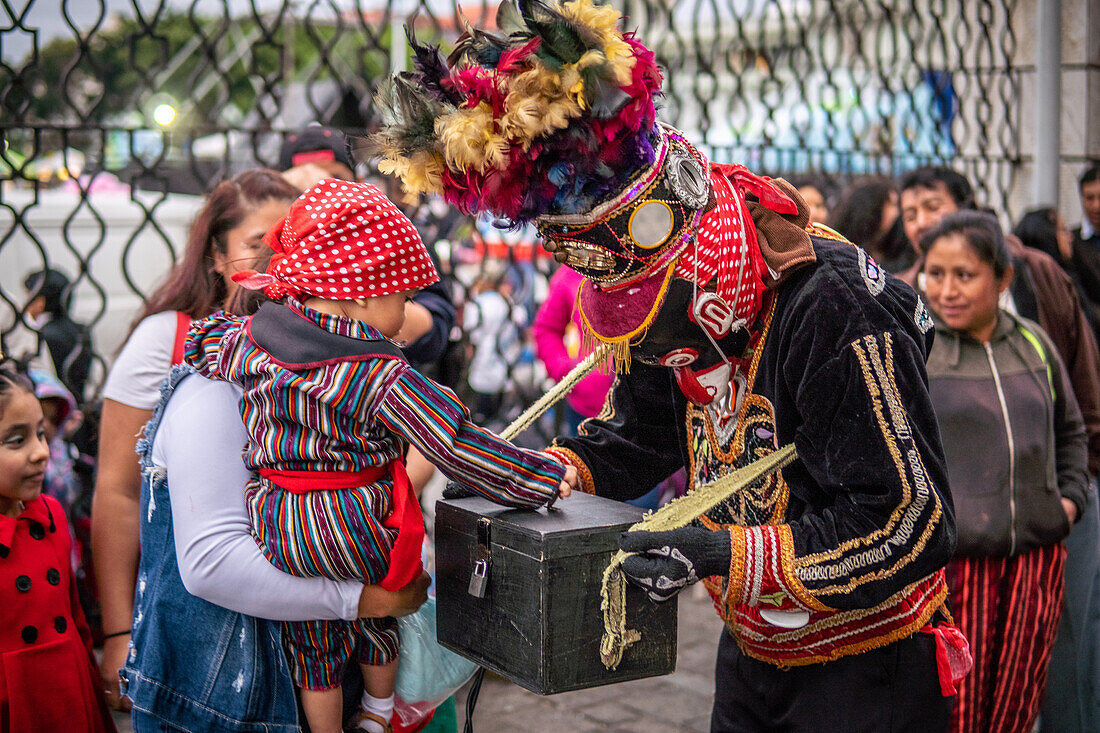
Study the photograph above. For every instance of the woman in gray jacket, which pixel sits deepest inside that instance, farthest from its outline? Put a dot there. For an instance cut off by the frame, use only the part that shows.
(1016, 456)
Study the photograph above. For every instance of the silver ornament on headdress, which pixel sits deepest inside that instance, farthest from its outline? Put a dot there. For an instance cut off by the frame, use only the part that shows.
(687, 178)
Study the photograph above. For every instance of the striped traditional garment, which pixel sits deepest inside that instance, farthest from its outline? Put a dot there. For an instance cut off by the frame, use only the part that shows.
(1008, 609)
(323, 427)
(351, 415)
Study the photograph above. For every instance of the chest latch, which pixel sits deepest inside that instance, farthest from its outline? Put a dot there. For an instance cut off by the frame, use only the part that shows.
(479, 578)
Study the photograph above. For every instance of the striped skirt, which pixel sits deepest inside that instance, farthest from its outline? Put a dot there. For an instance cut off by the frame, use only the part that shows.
(1008, 608)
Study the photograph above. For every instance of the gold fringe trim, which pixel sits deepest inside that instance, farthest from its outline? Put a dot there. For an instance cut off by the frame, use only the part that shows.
(677, 513)
(786, 570)
(938, 601)
(590, 339)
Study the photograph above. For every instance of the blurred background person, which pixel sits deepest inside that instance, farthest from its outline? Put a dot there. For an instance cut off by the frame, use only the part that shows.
(868, 215)
(314, 153)
(62, 417)
(1043, 229)
(69, 342)
(816, 191)
(1086, 237)
(557, 333)
(494, 326)
(1017, 455)
(225, 237)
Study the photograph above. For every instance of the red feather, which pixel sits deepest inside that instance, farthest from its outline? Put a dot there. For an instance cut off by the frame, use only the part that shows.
(511, 58)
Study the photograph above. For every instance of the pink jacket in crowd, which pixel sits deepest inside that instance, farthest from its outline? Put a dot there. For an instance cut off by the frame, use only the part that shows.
(552, 323)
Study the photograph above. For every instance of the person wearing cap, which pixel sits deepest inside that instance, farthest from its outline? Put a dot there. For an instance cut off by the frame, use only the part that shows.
(737, 329)
(315, 153)
(331, 405)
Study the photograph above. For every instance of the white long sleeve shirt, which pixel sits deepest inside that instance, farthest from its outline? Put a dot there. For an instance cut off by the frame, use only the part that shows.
(199, 442)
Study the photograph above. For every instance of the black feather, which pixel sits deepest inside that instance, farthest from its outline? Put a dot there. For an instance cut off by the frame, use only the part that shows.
(510, 21)
(561, 42)
(430, 70)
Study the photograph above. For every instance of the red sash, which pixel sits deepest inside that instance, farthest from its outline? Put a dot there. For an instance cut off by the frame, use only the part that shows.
(406, 518)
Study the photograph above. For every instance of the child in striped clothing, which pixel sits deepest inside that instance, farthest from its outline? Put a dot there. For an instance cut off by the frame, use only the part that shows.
(331, 406)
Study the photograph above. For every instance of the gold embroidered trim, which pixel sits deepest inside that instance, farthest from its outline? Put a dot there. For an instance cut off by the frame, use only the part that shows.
(815, 229)
(787, 564)
(588, 486)
(735, 585)
(863, 645)
(880, 388)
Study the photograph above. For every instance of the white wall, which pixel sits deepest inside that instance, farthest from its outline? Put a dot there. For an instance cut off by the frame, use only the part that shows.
(111, 231)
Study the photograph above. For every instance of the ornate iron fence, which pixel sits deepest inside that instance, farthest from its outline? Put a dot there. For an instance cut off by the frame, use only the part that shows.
(115, 115)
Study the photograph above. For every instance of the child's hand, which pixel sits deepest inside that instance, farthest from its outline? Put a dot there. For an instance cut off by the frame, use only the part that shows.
(569, 482)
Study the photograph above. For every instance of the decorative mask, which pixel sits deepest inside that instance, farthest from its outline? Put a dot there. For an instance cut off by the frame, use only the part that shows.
(644, 227)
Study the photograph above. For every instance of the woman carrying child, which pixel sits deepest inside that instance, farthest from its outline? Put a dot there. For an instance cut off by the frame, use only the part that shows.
(331, 406)
(1016, 452)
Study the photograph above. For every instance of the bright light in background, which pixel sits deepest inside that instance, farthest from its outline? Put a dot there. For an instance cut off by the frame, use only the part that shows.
(163, 114)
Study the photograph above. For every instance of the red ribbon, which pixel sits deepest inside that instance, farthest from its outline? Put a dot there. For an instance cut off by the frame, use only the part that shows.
(953, 659)
(769, 194)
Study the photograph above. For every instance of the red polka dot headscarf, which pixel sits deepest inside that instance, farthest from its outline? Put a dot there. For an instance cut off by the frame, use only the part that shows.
(343, 240)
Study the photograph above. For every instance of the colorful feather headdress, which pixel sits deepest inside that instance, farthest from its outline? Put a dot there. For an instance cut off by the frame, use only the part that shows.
(544, 118)
(552, 121)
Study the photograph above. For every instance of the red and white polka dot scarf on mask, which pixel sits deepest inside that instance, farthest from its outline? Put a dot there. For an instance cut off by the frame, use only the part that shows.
(342, 241)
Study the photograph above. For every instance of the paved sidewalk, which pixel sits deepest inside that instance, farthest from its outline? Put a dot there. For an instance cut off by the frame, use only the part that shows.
(677, 702)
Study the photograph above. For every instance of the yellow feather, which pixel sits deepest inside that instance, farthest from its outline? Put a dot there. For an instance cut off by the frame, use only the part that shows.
(602, 19)
(420, 174)
(470, 140)
(426, 174)
(558, 114)
(620, 59)
(592, 57)
(522, 118)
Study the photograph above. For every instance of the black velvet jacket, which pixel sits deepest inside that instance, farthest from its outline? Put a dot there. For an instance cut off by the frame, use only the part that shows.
(865, 512)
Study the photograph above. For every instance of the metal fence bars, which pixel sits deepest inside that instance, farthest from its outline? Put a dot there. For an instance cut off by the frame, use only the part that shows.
(117, 116)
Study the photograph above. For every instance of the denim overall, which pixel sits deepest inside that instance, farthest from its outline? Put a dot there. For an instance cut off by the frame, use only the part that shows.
(193, 665)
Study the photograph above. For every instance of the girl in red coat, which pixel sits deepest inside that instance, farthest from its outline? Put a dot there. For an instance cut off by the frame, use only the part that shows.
(48, 678)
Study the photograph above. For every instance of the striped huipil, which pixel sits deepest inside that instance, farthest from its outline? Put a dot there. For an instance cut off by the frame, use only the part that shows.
(341, 417)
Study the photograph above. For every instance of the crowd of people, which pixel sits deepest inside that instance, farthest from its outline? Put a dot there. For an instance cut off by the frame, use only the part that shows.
(1013, 376)
(212, 575)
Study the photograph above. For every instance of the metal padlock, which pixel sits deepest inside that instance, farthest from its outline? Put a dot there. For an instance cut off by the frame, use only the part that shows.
(479, 580)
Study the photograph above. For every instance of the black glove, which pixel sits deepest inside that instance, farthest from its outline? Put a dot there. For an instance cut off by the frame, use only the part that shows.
(455, 490)
(667, 562)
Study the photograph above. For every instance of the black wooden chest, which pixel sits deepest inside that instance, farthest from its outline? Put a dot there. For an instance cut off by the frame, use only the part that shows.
(539, 621)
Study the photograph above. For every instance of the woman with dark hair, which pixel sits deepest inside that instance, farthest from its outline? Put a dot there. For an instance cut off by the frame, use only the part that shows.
(1017, 455)
(224, 238)
(868, 216)
(1043, 229)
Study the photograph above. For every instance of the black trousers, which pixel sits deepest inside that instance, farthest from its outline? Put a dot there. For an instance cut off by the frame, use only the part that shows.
(888, 690)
